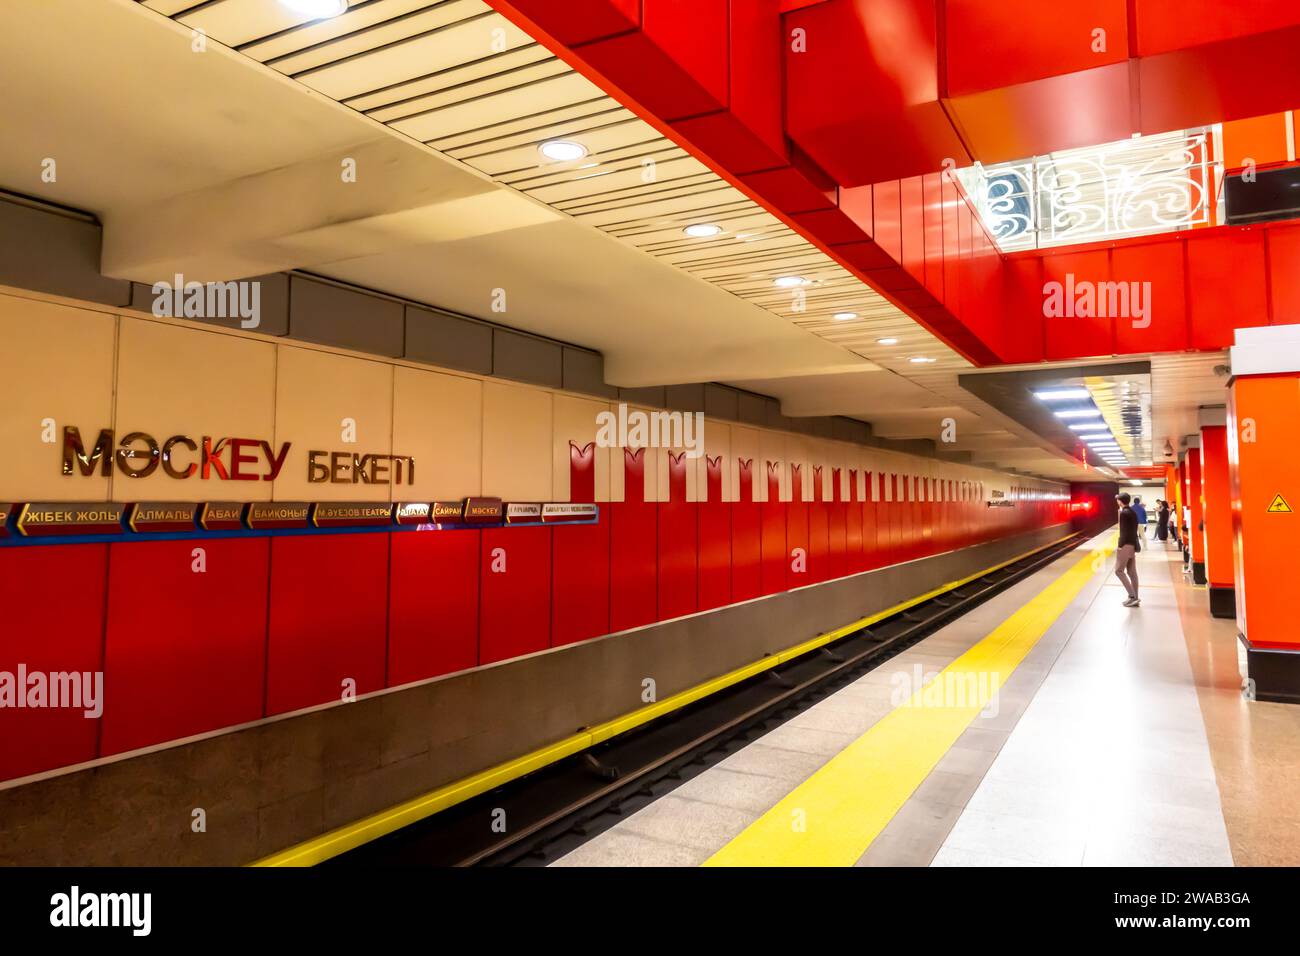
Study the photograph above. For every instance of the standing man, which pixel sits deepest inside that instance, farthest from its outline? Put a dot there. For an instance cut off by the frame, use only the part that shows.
(1126, 553)
(1140, 511)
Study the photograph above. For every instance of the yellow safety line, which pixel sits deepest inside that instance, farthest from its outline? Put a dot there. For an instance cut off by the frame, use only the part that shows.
(832, 817)
(352, 835)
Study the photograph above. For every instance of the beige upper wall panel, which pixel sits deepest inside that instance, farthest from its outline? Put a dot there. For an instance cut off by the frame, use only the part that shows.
(315, 393)
(180, 381)
(518, 435)
(438, 420)
(745, 445)
(576, 423)
(56, 369)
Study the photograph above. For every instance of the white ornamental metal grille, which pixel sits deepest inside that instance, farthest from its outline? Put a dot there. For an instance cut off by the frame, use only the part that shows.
(1135, 187)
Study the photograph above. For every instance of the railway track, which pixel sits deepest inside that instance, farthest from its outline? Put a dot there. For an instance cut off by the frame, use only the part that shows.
(538, 818)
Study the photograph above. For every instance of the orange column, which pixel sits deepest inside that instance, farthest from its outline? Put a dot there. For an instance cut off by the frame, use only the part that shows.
(1263, 436)
(1196, 532)
(1217, 512)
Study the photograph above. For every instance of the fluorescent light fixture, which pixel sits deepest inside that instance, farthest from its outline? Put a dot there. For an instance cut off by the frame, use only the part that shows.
(562, 150)
(702, 230)
(1090, 427)
(1135, 482)
(1079, 413)
(1060, 394)
(317, 9)
(887, 341)
(789, 282)
(921, 360)
(845, 316)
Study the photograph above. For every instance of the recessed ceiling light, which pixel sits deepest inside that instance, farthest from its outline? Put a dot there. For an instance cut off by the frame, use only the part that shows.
(562, 150)
(1060, 394)
(845, 316)
(317, 9)
(1079, 413)
(887, 341)
(1135, 482)
(921, 360)
(789, 282)
(702, 230)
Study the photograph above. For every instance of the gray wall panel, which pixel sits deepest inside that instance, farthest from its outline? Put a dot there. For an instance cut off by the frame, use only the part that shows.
(47, 251)
(585, 372)
(721, 402)
(344, 318)
(526, 359)
(448, 341)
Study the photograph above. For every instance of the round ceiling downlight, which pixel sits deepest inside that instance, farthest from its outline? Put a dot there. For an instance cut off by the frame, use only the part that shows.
(702, 230)
(562, 150)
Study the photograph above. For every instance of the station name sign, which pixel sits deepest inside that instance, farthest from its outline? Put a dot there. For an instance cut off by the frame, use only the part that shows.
(139, 455)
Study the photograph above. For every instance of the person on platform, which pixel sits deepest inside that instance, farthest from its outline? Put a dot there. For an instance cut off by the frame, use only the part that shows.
(1126, 553)
(1162, 520)
(1140, 512)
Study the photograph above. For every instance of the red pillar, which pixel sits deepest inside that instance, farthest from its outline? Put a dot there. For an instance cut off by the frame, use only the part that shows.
(1217, 505)
(1196, 535)
(1263, 435)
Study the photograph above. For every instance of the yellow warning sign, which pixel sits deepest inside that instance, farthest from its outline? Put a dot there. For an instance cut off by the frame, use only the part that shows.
(1279, 506)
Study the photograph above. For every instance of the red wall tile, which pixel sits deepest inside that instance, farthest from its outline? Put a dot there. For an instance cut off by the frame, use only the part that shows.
(328, 618)
(433, 604)
(185, 651)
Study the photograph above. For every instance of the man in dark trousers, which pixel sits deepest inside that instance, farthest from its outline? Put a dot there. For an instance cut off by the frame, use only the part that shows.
(1126, 554)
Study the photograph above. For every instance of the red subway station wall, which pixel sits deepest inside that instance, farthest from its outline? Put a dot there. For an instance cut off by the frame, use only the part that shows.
(274, 625)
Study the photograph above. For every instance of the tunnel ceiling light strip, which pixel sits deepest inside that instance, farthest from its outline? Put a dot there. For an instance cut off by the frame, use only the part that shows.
(1090, 427)
(1060, 394)
(1079, 413)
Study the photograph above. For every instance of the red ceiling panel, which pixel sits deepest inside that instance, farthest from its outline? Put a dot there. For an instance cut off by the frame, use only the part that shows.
(887, 216)
(912, 213)
(676, 64)
(1059, 112)
(868, 77)
(1021, 308)
(790, 190)
(995, 43)
(1164, 25)
(1156, 283)
(831, 226)
(932, 200)
(1284, 273)
(864, 256)
(579, 21)
(1227, 277)
(1071, 335)
(1249, 76)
